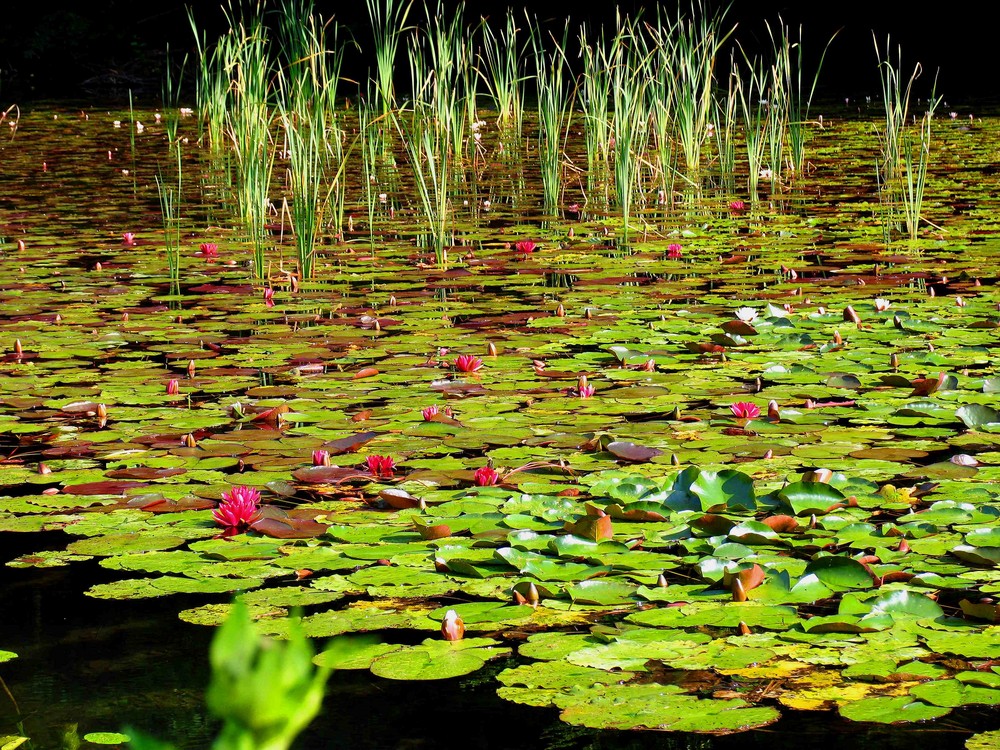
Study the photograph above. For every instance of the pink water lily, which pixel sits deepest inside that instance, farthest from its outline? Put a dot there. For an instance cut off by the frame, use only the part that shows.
(209, 250)
(269, 297)
(525, 246)
(737, 205)
(586, 391)
(486, 476)
(674, 252)
(321, 457)
(128, 238)
(745, 410)
(173, 387)
(380, 466)
(238, 509)
(429, 412)
(468, 363)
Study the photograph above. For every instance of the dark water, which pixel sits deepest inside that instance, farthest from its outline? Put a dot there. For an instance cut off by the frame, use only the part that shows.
(89, 665)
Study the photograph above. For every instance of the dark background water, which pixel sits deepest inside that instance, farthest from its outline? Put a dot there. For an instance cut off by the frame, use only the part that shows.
(89, 665)
(106, 47)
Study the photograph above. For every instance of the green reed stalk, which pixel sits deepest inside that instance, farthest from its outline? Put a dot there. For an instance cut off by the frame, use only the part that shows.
(388, 19)
(595, 95)
(428, 151)
(798, 107)
(213, 82)
(441, 71)
(555, 107)
(725, 135)
(248, 123)
(661, 95)
(171, 99)
(902, 171)
(916, 152)
(170, 202)
(696, 43)
(500, 70)
(369, 132)
(627, 60)
(751, 89)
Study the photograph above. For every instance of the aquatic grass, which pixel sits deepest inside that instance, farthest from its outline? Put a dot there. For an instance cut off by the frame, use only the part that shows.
(170, 196)
(500, 69)
(696, 43)
(427, 149)
(594, 91)
(627, 60)
(798, 106)
(172, 99)
(725, 134)
(901, 172)
(212, 83)
(388, 21)
(248, 128)
(751, 89)
(661, 94)
(555, 109)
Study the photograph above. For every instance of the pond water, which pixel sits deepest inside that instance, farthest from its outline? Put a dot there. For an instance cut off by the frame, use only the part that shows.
(877, 352)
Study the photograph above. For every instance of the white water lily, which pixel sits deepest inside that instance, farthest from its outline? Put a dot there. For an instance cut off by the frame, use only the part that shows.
(882, 304)
(746, 314)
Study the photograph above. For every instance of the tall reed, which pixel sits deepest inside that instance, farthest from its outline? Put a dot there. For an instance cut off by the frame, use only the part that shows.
(594, 91)
(248, 127)
(388, 19)
(661, 95)
(902, 170)
(697, 41)
(798, 105)
(555, 107)
(627, 60)
(170, 204)
(500, 69)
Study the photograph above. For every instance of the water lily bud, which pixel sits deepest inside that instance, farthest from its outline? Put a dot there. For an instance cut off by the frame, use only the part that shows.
(588, 313)
(20, 245)
(57, 319)
(768, 454)
(491, 349)
(676, 414)
(560, 311)
(661, 581)
(190, 368)
(532, 595)
(452, 627)
(440, 565)
(837, 339)
(674, 460)
(102, 415)
(173, 387)
(851, 315)
(744, 629)
(98, 266)
(377, 326)
(392, 300)
(43, 468)
(739, 593)
(188, 441)
(960, 301)
(18, 351)
(904, 546)
(773, 413)
(894, 361)
(758, 385)
(821, 475)
(930, 291)
(581, 383)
